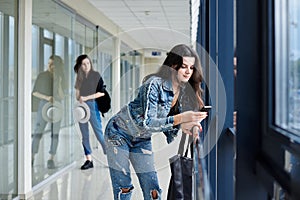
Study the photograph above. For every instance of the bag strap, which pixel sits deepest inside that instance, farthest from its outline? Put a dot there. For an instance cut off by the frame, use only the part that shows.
(201, 169)
(181, 145)
(197, 144)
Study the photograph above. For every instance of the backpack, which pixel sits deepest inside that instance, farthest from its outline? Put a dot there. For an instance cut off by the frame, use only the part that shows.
(104, 102)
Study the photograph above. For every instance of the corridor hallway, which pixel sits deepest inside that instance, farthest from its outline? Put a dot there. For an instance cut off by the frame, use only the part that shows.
(94, 184)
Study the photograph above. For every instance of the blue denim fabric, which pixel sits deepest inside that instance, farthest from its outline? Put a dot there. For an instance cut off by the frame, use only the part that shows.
(128, 137)
(147, 113)
(150, 108)
(122, 148)
(96, 123)
(39, 131)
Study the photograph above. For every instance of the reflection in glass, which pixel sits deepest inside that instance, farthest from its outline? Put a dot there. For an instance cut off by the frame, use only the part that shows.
(287, 55)
(130, 79)
(61, 32)
(50, 36)
(292, 167)
(8, 100)
(48, 92)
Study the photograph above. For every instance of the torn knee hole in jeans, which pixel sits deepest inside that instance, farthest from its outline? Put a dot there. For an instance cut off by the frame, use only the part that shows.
(126, 190)
(154, 194)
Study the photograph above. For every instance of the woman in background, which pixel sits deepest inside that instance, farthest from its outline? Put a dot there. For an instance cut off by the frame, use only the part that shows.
(88, 82)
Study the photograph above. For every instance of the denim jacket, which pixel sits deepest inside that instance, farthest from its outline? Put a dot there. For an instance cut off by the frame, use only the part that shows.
(148, 112)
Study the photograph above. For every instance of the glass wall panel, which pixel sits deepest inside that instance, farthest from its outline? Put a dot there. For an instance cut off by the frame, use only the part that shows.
(58, 31)
(287, 92)
(55, 31)
(105, 59)
(35, 52)
(54, 144)
(59, 45)
(8, 100)
(102, 62)
(130, 66)
(287, 54)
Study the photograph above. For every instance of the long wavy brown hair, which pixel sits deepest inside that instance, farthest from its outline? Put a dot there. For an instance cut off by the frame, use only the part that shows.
(78, 71)
(174, 60)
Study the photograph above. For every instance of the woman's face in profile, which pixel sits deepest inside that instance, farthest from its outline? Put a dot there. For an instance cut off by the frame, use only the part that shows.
(85, 65)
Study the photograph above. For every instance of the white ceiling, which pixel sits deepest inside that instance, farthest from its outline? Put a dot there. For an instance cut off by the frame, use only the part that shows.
(153, 24)
(158, 24)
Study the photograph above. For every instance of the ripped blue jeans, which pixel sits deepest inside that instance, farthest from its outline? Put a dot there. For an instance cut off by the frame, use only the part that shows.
(123, 149)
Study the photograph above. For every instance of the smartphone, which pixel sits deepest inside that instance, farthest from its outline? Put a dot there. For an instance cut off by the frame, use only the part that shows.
(205, 108)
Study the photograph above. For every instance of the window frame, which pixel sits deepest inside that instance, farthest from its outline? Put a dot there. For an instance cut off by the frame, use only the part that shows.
(275, 140)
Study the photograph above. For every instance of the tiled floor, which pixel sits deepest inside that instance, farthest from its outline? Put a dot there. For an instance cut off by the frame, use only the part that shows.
(94, 184)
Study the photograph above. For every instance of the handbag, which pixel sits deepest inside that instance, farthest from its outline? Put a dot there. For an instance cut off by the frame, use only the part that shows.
(180, 186)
